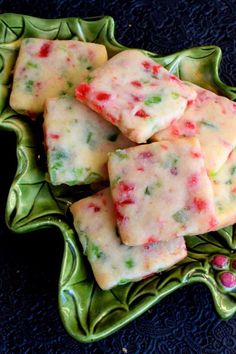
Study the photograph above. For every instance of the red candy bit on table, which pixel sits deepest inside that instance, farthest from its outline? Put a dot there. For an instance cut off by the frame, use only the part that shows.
(220, 261)
(82, 90)
(228, 279)
(45, 50)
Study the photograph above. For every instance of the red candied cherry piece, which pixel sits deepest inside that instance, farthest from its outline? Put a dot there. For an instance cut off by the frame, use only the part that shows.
(81, 91)
(45, 50)
(213, 222)
(126, 187)
(141, 113)
(196, 155)
(145, 155)
(175, 130)
(147, 65)
(54, 136)
(94, 207)
(151, 239)
(190, 125)
(155, 69)
(103, 96)
(200, 204)
(219, 261)
(124, 194)
(193, 180)
(228, 279)
(119, 216)
(136, 83)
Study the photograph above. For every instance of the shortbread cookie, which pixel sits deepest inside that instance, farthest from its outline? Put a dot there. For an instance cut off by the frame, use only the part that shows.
(112, 262)
(212, 119)
(136, 94)
(50, 68)
(161, 191)
(77, 142)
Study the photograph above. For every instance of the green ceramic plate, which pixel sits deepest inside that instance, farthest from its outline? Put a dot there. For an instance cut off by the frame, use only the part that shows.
(87, 312)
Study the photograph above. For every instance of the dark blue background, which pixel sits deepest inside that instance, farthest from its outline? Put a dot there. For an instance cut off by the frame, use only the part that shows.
(185, 322)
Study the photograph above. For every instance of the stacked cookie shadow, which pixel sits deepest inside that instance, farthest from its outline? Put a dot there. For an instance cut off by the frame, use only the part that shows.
(166, 146)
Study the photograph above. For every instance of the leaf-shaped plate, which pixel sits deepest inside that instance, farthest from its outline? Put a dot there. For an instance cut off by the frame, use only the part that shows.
(87, 312)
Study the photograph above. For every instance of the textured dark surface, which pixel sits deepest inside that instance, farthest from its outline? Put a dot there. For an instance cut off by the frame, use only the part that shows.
(184, 322)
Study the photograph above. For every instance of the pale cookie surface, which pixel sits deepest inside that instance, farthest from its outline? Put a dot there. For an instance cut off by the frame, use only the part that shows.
(135, 93)
(224, 188)
(77, 142)
(212, 119)
(49, 68)
(161, 191)
(112, 262)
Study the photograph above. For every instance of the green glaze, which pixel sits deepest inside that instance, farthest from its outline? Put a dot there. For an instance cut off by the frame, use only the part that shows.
(87, 312)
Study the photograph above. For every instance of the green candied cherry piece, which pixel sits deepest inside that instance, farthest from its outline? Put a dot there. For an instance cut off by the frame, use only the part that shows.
(121, 154)
(94, 252)
(147, 191)
(175, 95)
(29, 85)
(171, 161)
(88, 79)
(93, 177)
(31, 65)
(69, 84)
(89, 138)
(180, 216)
(130, 263)
(152, 100)
(115, 181)
(208, 124)
(233, 170)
